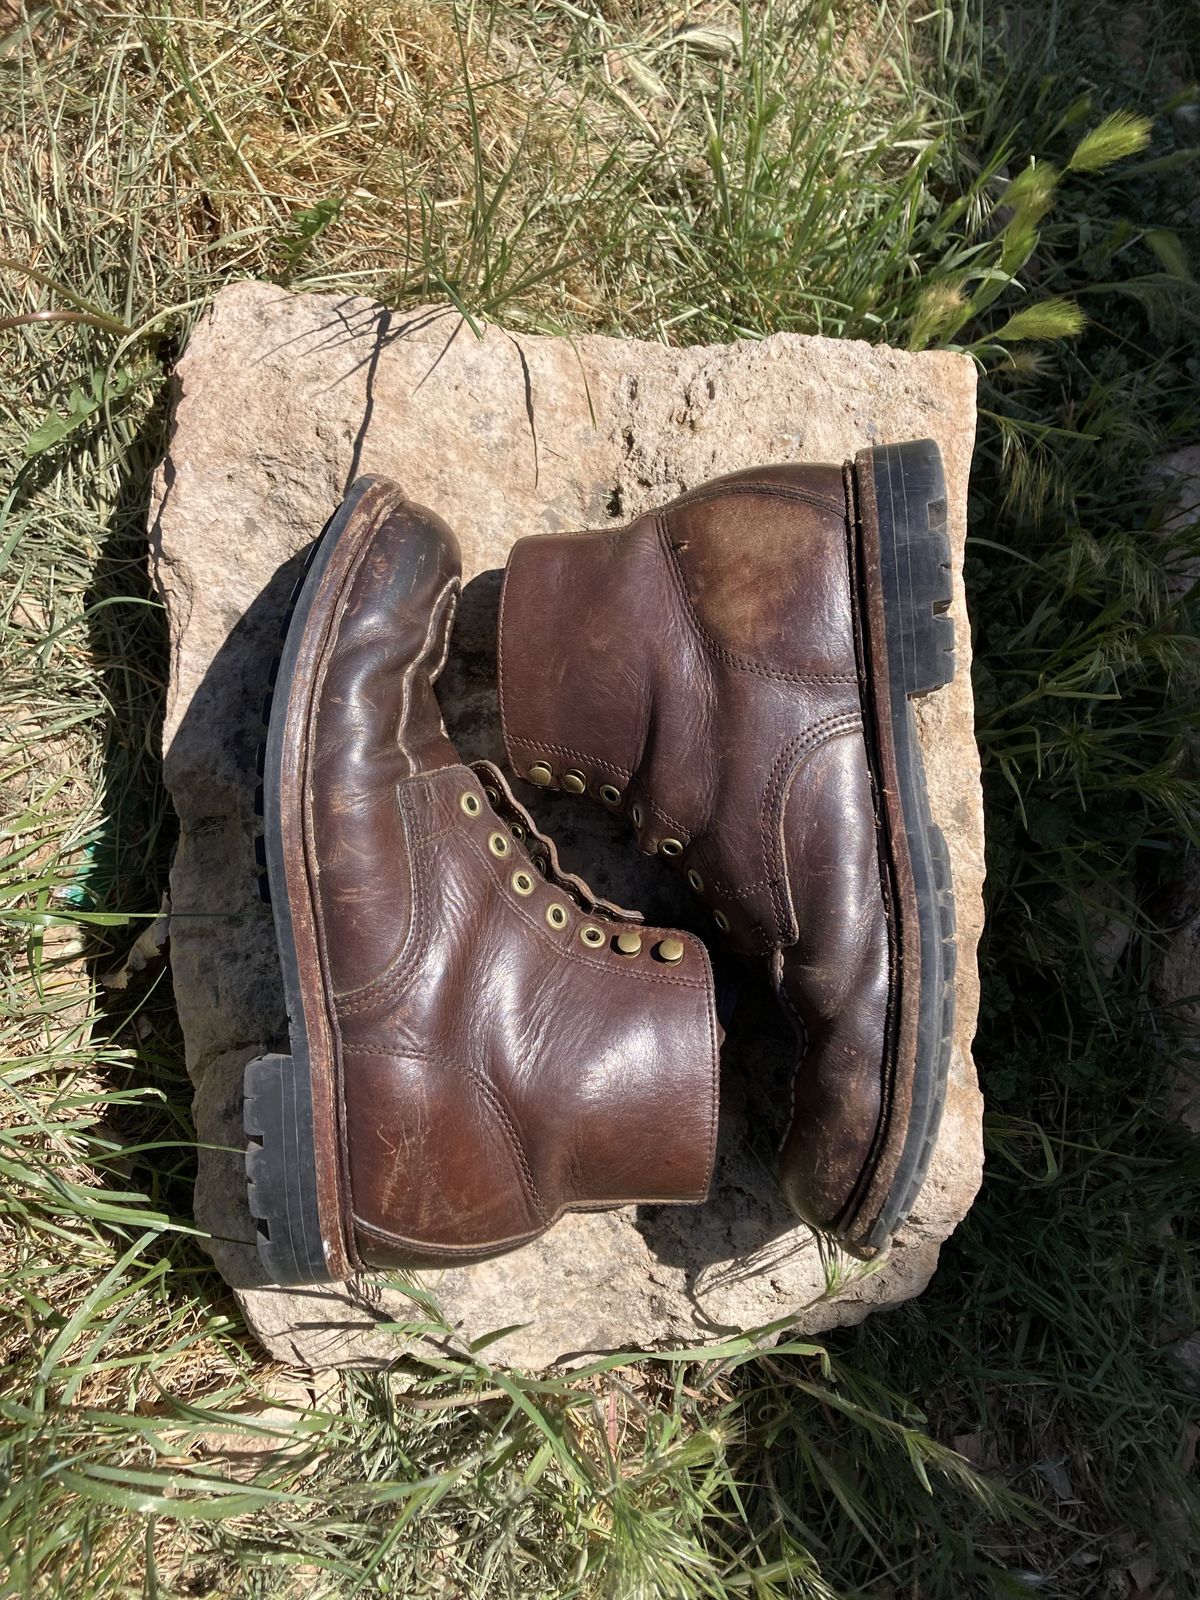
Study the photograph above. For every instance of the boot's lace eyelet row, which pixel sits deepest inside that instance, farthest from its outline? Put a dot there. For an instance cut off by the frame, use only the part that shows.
(627, 943)
(575, 782)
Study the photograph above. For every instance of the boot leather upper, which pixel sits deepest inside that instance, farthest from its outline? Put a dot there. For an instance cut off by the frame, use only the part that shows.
(495, 1069)
(698, 671)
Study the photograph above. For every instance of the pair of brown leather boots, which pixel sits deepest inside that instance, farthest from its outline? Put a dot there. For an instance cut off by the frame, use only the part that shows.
(478, 1042)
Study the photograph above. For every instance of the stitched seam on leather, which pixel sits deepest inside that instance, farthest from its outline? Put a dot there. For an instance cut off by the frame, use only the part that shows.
(778, 491)
(728, 657)
(384, 986)
(568, 750)
(665, 816)
(490, 1093)
(453, 588)
(501, 696)
(771, 880)
(793, 753)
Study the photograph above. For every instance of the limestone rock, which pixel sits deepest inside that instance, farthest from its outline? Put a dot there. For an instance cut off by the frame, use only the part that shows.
(282, 400)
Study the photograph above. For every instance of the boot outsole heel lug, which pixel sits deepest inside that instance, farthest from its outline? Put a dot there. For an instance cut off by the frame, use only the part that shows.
(280, 1171)
(915, 559)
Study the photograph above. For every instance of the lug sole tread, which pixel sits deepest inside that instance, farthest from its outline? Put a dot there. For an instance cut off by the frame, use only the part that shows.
(916, 557)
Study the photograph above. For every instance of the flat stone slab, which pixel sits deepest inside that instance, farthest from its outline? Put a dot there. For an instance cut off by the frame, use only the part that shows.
(282, 400)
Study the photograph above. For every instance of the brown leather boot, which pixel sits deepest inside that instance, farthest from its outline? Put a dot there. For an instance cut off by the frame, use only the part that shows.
(477, 1042)
(733, 673)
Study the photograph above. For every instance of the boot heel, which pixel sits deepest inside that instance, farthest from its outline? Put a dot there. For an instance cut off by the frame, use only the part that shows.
(914, 549)
(281, 1170)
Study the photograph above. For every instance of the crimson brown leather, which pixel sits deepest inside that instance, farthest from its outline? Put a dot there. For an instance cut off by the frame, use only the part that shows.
(477, 1042)
(734, 674)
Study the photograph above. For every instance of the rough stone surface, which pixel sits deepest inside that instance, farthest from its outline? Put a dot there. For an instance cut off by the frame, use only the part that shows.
(282, 401)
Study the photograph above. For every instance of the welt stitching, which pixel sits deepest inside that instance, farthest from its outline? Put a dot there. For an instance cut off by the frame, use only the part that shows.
(715, 1081)
(493, 1099)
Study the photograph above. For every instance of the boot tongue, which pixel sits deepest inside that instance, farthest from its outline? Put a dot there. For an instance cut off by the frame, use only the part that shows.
(541, 848)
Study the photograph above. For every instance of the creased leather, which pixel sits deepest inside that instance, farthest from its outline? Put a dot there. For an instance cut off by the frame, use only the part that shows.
(703, 661)
(493, 1070)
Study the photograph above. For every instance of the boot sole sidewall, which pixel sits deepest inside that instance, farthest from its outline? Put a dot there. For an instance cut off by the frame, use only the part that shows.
(294, 1159)
(904, 555)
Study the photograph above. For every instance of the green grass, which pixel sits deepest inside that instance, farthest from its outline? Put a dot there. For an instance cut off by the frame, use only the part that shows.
(1017, 184)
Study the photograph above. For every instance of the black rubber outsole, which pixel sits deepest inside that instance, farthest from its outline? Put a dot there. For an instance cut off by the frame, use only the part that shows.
(910, 495)
(281, 1167)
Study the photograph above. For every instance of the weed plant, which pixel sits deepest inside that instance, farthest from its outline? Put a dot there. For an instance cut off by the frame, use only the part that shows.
(1020, 184)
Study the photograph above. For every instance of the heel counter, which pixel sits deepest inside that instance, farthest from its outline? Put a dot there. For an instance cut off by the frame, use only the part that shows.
(436, 1166)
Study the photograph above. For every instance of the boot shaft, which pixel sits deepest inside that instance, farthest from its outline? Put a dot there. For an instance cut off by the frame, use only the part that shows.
(733, 673)
(685, 670)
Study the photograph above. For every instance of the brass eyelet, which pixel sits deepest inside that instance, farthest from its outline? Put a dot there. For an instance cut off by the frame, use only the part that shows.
(518, 832)
(629, 943)
(696, 881)
(492, 794)
(541, 773)
(670, 847)
(591, 935)
(574, 781)
(556, 915)
(610, 794)
(636, 812)
(498, 844)
(670, 951)
(522, 883)
(470, 803)
(721, 920)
